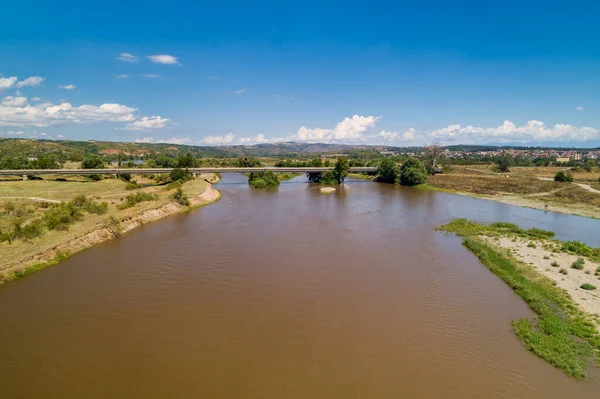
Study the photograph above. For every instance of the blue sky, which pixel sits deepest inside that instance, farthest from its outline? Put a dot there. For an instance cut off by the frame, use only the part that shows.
(398, 73)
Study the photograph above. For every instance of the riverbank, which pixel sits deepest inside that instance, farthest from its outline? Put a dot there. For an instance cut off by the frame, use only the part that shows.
(521, 190)
(557, 280)
(22, 257)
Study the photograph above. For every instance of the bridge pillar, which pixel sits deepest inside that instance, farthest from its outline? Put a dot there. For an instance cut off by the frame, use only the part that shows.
(24, 177)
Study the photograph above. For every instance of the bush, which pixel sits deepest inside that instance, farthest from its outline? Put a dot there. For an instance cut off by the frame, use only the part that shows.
(181, 175)
(136, 198)
(554, 264)
(179, 197)
(126, 177)
(92, 162)
(563, 177)
(587, 286)
(412, 173)
(531, 245)
(263, 179)
(387, 172)
(9, 207)
(597, 273)
(132, 186)
(578, 264)
(563, 271)
(28, 231)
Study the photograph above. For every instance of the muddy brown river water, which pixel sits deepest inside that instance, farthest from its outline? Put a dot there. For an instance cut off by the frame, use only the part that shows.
(284, 293)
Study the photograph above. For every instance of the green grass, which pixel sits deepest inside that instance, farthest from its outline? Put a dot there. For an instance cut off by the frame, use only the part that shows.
(587, 286)
(560, 334)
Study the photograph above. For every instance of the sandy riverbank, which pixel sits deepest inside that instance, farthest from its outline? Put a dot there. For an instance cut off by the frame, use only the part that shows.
(587, 301)
(102, 231)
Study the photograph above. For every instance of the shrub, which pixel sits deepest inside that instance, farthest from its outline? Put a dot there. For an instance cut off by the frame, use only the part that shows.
(387, 172)
(563, 271)
(132, 186)
(576, 247)
(554, 264)
(563, 177)
(126, 177)
(587, 286)
(179, 197)
(263, 179)
(412, 173)
(531, 245)
(546, 257)
(9, 207)
(92, 162)
(179, 174)
(597, 273)
(578, 264)
(136, 198)
(28, 231)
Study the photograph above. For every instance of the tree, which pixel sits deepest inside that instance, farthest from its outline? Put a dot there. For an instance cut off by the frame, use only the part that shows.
(433, 154)
(248, 162)
(263, 179)
(46, 161)
(316, 163)
(179, 174)
(186, 160)
(563, 177)
(92, 161)
(504, 163)
(340, 170)
(387, 172)
(412, 172)
(589, 165)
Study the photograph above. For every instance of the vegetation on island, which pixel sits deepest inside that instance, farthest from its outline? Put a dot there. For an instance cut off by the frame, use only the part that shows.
(263, 179)
(560, 334)
(411, 173)
(332, 177)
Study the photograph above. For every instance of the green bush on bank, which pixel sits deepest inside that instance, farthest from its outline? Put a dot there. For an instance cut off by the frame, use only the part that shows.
(136, 198)
(563, 177)
(180, 197)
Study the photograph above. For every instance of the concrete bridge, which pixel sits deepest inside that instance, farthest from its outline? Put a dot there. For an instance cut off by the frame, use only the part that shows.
(154, 171)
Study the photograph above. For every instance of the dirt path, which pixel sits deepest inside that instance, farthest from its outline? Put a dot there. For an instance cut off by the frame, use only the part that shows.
(38, 199)
(584, 186)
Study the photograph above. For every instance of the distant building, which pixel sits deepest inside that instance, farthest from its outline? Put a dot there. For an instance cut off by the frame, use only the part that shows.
(562, 160)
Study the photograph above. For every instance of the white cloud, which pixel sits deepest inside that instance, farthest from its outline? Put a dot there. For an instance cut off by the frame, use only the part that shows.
(350, 129)
(67, 87)
(14, 113)
(122, 76)
(388, 136)
(150, 75)
(7, 83)
(508, 132)
(31, 81)
(145, 140)
(36, 99)
(60, 136)
(163, 59)
(214, 140)
(409, 135)
(10, 101)
(177, 140)
(148, 123)
(579, 108)
(240, 91)
(127, 57)
(16, 133)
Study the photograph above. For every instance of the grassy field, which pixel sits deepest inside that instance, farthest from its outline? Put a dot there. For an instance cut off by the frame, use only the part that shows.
(522, 187)
(560, 333)
(111, 191)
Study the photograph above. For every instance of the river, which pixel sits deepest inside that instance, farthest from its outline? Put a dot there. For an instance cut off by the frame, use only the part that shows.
(284, 293)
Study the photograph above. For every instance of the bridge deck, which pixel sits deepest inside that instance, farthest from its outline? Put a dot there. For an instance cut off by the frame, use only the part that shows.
(153, 171)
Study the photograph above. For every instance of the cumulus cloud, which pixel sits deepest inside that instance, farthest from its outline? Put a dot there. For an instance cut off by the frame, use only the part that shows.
(177, 140)
(67, 87)
(30, 81)
(122, 76)
(150, 76)
(145, 140)
(240, 91)
(7, 83)
(508, 132)
(163, 59)
(148, 123)
(60, 136)
(36, 99)
(579, 108)
(127, 57)
(14, 112)
(216, 140)
(11, 101)
(350, 129)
